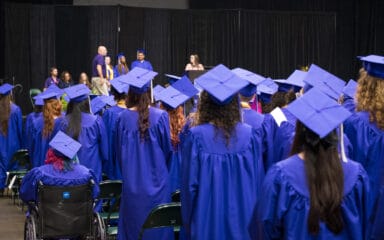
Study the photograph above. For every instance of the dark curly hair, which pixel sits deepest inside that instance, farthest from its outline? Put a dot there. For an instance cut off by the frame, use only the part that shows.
(223, 117)
(325, 178)
(141, 102)
(370, 97)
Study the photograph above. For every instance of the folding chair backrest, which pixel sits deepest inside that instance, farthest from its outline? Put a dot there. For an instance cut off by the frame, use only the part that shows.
(21, 157)
(110, 189)
(65, 211)
(164, 215)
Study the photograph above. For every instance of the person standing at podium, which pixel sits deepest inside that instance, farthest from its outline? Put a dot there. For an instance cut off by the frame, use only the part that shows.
(194, 63)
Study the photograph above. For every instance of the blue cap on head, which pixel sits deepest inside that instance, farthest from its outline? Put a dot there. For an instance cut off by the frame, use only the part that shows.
(156, 91)
(249, 76)
(119, 84)
(266, 89)
(141, 50)
(295, 81)
(77, 93)
(374, 65)
(176, 94)
(139, 79)
(6, 89)
(318, 112)
(324, 81)
(65, 145)
(97, 104)
(120, 55)
(221, 84)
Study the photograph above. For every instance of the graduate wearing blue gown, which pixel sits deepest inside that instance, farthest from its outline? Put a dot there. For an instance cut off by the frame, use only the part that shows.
(365, 129)
(141, 62)
(349, 92)
(222, 167)
(144, 148)
(61, 169)
(87, 128)
(110, 117)
(300, 203)
(30, 122)
(121, 68)
(40, 135)
(172, 99)
(10, 131)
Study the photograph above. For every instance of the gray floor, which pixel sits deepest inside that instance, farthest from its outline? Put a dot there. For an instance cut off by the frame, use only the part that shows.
(11, 220)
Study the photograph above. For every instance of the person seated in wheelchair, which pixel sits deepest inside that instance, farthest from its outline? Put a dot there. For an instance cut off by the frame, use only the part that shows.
(61, 168)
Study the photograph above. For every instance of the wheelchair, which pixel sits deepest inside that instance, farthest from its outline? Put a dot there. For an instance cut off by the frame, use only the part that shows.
(63, 212)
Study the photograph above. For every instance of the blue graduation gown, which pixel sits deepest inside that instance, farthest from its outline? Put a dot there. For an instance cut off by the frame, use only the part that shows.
(30, 121)
(368, 141)
(116, 71)
(39, 145)
(220, 184)
(174, 168)
(48, 175)
(144, 170)
(349, 103)
(10, 143)
(112, 168)
(145, 64)
(94, 143)
(283, 210)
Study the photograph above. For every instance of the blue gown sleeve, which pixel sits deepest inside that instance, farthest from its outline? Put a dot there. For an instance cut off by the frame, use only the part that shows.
(149, 66)
(29, 185)
(189, 182)
(19, 126)
(115, 72)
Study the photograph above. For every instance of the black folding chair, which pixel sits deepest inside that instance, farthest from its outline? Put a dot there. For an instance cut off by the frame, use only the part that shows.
(176, 196)
(164, 215)
(63, 212)
(110, 192)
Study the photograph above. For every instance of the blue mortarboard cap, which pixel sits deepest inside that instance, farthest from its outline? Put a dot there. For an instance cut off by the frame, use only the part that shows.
(374, 65)
(139, 79)
(48, 94)
(120, 55)
(6, 88)
(324, 81)
(65, 145)
(38, 101)
(295, 81)
(318, 112)
(178, 93)
(141, 50)
(221, 83)
(156, 91)
(266, 89)
(77, 93)
(249, 76)
(109, 100)
(350, 89)
(249, 90)
(119, 84)
(55, 88)
(97, 104)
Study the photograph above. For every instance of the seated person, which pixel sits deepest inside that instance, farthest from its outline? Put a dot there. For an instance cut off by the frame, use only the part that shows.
(61, 169)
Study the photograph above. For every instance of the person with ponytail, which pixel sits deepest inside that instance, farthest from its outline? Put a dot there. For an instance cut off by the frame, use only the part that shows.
(110, 116)
(365, 129)
(10, 132)
(315, 193)
(86, 128)
(45, 126)
(222, 166)
(143, 148)
(61, 168)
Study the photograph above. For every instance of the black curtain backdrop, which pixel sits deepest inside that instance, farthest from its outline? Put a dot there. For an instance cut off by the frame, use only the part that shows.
(271, 43)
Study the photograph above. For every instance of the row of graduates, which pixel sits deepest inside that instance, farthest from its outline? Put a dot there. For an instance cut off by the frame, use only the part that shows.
(220, 158)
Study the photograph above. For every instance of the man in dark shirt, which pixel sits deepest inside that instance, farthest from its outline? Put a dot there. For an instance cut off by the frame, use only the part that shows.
(99, 81)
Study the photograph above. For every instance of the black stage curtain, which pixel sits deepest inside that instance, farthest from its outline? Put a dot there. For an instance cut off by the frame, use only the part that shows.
(271, 43)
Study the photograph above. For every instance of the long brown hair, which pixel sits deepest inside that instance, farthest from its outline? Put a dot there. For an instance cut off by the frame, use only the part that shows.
(325, 178)
(51, 109)
(370, 97)
(74, 110)
(5, 112)
(176, 123)
(223, 117)
(141, 102)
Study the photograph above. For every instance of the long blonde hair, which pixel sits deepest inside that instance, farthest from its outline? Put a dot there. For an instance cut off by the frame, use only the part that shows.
(370, 97)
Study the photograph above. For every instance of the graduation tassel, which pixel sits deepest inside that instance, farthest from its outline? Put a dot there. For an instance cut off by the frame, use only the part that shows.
(342, 148)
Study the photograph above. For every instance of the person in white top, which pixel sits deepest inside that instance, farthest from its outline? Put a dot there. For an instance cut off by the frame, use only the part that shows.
(194, 63)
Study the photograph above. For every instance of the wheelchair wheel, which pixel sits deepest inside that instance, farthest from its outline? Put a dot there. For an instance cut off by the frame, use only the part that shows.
(99, 228)
(30, 228)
